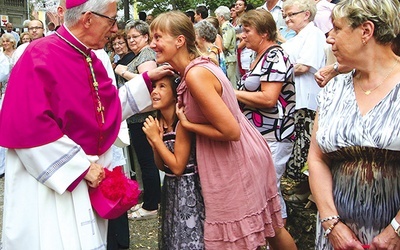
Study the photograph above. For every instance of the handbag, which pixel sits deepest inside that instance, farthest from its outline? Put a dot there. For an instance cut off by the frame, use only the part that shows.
(115, 195)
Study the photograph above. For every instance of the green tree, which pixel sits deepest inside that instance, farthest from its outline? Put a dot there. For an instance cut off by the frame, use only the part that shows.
(159, 6)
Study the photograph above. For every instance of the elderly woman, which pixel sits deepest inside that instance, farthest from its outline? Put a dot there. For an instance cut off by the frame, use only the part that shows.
(205, 38)
(125, 55)
(137, 34)
(9, 45)
(25, 38)
(354, 154)
(266, 91)
(306, 52)
(223, 15)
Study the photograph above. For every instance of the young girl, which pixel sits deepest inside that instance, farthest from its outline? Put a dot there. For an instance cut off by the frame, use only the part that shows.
(182, 207)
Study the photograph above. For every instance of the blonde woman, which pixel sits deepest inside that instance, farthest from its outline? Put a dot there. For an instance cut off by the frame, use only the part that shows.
(235, 164)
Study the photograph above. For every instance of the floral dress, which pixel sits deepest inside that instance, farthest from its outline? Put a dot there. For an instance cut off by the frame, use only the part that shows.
(182, 206)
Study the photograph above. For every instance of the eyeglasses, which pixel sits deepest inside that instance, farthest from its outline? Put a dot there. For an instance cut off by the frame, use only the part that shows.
(290, 15)
(119, 43)
(35, 28)
(133, 37)
(113, 20)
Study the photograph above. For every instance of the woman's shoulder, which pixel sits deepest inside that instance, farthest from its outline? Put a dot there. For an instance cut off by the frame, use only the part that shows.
(204, 67)
(199, 61)
(147, 53)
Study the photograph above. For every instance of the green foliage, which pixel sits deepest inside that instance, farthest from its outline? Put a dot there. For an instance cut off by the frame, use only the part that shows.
(159, 6)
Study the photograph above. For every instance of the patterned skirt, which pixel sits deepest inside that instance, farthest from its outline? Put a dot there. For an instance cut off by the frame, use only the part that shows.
(181, 213)
(366, 191)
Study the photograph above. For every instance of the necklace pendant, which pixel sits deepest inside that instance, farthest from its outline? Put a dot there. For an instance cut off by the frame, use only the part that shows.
(367, 92)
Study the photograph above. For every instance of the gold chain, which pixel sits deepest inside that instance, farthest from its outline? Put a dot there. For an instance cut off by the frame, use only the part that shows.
(367, 92)
(100, 107)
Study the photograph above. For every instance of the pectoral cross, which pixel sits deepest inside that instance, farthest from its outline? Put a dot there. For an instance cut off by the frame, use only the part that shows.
(100, 107)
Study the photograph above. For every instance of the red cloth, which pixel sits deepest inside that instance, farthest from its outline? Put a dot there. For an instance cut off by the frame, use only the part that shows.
(50, 94)
(73, 3)
(115, 195)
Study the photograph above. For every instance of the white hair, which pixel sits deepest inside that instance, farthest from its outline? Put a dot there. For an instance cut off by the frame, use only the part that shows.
(74, 14)
(224, 12)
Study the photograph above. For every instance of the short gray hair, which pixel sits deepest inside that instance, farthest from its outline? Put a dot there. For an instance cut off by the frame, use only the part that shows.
(206, 30)
(72, 15)
(224, 12)
(141, 26)
(304, 5)
(383, 13)
(138, 25)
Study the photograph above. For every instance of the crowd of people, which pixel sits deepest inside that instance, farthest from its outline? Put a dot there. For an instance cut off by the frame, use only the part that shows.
(225, 102)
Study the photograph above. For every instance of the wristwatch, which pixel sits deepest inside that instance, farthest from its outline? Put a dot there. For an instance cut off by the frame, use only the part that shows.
(336, 67)
(396, 226)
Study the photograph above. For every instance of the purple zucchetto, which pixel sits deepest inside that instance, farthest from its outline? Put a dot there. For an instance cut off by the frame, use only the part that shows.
(73, 3)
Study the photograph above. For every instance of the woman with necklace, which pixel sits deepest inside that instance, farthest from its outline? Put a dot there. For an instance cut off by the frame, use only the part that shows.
(266, 92)
(137, 34)
(354, 153)
(233, 159)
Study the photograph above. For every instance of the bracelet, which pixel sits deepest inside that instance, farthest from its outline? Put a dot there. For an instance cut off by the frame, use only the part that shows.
(123, 73)
(330, 218)
(330, 229)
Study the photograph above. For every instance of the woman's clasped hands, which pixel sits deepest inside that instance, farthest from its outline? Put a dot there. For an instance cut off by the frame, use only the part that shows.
(342, 238)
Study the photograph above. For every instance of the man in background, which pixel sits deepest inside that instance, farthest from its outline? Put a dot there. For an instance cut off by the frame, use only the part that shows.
(9, 29)
(200, 13)
(36, 30)
(51, 28)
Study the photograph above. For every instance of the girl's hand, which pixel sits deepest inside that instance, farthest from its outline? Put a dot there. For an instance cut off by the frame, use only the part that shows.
(151, 128)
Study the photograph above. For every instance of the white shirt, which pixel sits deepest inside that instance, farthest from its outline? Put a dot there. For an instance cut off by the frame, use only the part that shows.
(307, 48)
(276, 13)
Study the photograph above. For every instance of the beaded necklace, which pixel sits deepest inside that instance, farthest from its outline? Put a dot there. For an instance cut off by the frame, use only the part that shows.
(100, 107)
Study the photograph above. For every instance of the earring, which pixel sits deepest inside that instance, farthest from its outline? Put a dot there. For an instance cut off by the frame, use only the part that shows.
(364, 42)
(177, 46)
